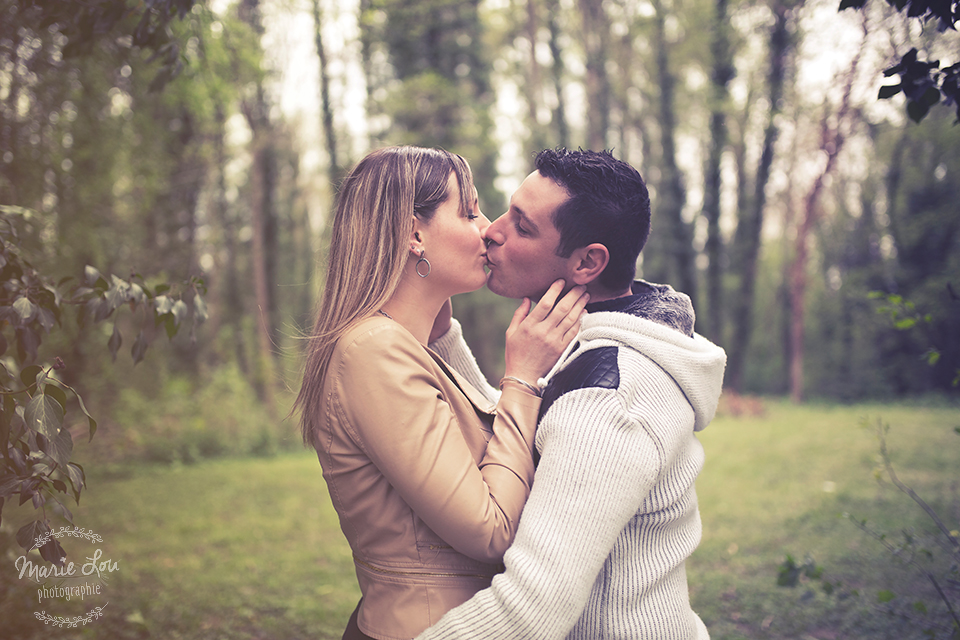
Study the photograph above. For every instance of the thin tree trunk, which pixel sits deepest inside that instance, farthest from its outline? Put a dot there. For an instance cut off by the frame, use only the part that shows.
(534, 83)
(672, 194)
(831, 143)
(722, 74)
(262, 221)
(747, 239)
(596, 33)
(326, 109)
(560, 113)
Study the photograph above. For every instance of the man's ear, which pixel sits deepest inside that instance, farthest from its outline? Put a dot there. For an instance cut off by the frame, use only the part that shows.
(589, 262)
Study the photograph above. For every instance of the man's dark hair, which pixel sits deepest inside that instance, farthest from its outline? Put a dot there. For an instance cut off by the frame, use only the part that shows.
(608, 204)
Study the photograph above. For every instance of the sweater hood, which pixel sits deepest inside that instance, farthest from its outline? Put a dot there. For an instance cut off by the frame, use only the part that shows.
(657, 321)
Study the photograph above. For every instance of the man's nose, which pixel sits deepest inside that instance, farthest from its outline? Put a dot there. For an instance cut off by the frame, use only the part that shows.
(492, 233)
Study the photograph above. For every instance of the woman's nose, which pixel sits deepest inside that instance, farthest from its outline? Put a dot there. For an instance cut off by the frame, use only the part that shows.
(483, 223)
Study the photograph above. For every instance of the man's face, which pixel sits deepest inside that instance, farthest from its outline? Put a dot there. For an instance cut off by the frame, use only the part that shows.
(522, 243)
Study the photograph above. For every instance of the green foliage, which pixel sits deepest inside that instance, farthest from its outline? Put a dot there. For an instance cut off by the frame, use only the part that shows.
(220, 417)
(132, 25)
(35, 440)
(934, 555)
(921, 81)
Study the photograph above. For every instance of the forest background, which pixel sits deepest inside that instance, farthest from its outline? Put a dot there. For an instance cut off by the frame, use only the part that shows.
(784, 191)
(201, 143)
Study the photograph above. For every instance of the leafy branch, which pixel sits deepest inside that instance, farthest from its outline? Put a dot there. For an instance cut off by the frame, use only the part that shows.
(35, 443)
(922, 82)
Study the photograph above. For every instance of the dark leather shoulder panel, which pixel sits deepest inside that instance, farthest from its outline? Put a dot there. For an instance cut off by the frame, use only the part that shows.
(594, 368)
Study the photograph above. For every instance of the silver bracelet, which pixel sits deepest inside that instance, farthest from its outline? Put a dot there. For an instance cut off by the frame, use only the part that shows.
(532, 388)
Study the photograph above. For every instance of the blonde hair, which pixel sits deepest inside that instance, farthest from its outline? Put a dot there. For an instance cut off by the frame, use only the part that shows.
(369, 248)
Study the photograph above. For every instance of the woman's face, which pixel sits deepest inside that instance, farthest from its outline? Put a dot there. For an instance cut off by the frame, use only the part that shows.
(453, 243)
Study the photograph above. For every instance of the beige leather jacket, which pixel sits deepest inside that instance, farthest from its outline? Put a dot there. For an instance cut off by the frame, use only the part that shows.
(428, 482)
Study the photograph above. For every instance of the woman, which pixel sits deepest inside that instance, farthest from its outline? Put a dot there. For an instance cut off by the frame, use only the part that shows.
(427, 475)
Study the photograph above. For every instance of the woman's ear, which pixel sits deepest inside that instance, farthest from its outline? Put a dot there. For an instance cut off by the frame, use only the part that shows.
(589, 262)
(416, 239)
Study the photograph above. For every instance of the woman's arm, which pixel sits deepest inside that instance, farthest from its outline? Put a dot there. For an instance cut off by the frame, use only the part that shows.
(396, 407)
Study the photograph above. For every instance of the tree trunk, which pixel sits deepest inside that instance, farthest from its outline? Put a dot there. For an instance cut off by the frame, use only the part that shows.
(750, 225)
(596, 33)
(263, 221)
(672, 194)
(722, 74)
(560, 113)
(533, 91)
(831, 142)
(326, 108)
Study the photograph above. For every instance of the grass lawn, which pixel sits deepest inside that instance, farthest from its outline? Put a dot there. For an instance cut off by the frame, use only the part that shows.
(251, 548)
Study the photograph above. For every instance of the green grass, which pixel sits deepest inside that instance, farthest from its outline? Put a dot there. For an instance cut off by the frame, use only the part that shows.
(780, 483)
(243, 548)
(251, 548)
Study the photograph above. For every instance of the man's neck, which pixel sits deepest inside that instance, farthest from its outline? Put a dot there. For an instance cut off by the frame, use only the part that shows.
(601, 294)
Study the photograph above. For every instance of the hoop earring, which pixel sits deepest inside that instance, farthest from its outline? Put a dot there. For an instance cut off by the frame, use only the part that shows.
(423, 260)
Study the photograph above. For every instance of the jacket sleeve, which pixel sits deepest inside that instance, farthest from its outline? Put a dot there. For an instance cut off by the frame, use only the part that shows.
(594, 473)
(456, 352)
(395, 406)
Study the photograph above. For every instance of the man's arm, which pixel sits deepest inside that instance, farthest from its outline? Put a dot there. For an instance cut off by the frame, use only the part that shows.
(456, 352)
(594, 473)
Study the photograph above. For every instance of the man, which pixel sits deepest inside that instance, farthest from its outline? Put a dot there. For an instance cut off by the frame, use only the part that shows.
(612, 515)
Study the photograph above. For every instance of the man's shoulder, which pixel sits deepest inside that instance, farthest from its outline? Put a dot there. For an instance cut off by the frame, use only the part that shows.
(598, 367)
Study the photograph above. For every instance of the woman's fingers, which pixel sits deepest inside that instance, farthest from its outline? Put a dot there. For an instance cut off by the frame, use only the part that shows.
(520, 314)
(570, 308)
(547, 302)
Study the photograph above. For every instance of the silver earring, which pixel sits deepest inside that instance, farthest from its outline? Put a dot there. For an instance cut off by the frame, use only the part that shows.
(424, 261)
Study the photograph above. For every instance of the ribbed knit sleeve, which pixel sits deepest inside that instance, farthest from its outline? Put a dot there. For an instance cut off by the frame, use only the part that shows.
(600, 548)
(456, 352)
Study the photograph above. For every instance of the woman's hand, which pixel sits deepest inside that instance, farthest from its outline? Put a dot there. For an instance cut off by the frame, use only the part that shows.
(537, 337)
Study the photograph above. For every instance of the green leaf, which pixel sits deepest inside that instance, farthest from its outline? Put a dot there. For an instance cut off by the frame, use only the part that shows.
(136, 293)
(83, 408)
(44, 415)
(886, 596)
(9, 486)
(7, 408)
(139, 348)
(179, 311)
(200, 312)
(61, 448)
(27, 344)
(46, 318)
(116, 339)
(52, 552)
(888, 91)
(906, 323)
(162, 305)
(28, 376)
(102, 310)
(169, 324)
(77, 478)
(57, 394)
(25, 309)
(27, 534)
(91, 276)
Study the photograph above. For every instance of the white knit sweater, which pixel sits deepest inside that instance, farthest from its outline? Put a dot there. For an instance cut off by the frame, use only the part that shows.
(612, 516)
